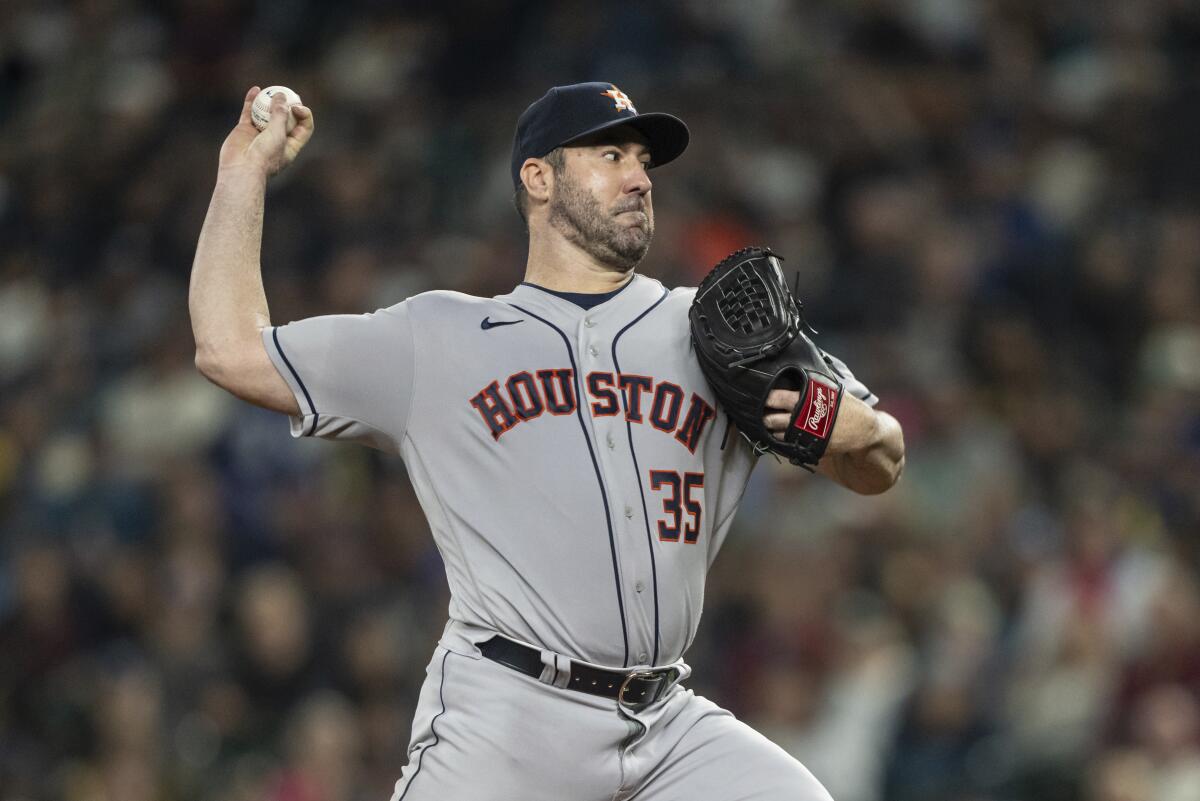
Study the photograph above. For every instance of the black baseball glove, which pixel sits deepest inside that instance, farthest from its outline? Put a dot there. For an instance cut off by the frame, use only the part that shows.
(747, 330)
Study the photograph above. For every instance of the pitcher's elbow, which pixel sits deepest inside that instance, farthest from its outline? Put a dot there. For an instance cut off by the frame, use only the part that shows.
(882, 478)
(895, 469)
(210, 365)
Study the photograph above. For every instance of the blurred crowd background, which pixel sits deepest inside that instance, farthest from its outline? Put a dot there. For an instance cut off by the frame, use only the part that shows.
(993, 209)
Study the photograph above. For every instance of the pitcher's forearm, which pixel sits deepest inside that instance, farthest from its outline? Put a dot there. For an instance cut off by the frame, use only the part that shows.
(866, 451)
(226, 299)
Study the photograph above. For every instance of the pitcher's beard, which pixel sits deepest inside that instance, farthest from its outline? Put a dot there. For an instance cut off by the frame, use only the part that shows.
(581, 219)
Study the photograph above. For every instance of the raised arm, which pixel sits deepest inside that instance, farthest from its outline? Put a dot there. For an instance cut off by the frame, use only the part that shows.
(865, 452)
(226, 300)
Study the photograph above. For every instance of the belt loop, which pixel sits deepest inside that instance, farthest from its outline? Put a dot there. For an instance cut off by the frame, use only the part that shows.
(556, 669)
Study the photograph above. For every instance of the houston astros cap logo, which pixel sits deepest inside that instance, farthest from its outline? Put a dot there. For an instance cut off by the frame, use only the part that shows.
(622, 99)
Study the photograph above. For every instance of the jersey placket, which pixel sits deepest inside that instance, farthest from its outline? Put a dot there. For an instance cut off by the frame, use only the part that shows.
(594, 335)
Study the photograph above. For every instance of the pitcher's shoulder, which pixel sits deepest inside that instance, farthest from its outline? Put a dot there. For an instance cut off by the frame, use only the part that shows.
(680, 299)
(440, 305)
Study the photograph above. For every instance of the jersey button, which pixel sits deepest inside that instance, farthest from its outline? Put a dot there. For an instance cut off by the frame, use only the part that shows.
(643, 656)
(612, 443)
(629, 511)
(592, 350)
(641, 585)
(589, 322)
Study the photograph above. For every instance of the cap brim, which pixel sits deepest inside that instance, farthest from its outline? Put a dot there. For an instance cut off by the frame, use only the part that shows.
(666, 135)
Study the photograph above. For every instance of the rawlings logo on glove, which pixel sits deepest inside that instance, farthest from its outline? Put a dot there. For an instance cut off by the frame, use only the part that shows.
(747, 331)
(812, 413)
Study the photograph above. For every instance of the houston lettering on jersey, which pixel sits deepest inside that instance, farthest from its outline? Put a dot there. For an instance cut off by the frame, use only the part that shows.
(526, 396)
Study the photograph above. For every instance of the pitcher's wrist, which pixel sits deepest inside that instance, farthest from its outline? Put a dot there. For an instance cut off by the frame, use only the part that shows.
(242, 172)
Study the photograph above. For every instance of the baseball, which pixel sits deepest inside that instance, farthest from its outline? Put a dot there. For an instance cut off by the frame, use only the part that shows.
(260, 112)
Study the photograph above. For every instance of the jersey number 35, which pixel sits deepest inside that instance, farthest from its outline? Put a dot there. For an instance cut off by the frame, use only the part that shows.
(677, 500)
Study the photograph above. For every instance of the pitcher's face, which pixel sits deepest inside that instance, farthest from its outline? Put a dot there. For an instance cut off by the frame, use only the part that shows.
(601, 199)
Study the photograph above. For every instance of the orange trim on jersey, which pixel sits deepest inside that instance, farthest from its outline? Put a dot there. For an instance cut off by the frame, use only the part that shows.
(694, 422)
(566, 384)
(492, 408)
(660, 392)
(535, 406)
(633, 402)
(691, 534)
(671, 503)
(609, 395)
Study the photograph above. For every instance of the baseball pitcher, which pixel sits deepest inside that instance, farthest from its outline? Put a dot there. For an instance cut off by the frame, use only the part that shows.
(580, 446)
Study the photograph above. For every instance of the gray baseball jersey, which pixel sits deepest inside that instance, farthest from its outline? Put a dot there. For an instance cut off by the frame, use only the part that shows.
(576, 471)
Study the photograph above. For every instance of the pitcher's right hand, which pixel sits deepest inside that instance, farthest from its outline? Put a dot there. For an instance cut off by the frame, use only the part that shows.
(272, 149)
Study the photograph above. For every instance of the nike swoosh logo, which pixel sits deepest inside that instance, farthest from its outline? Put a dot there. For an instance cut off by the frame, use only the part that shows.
(487, 323)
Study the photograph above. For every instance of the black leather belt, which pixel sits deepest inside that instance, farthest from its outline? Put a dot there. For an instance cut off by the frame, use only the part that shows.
(635, 689)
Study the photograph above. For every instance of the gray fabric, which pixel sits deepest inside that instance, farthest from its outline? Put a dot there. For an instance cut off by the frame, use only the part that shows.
(852, 385)
(350, 373)
(487, 733)
(551, 529)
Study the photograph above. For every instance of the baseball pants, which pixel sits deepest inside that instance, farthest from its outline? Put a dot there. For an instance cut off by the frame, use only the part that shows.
(484, 732)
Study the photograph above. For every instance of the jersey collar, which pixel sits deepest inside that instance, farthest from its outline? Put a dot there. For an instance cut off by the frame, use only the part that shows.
(638, 293)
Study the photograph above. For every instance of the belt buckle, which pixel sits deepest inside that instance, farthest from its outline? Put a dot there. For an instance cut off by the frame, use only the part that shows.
(648, 675)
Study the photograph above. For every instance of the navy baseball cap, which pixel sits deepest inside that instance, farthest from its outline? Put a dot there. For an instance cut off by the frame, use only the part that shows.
(567, 114)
